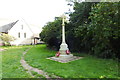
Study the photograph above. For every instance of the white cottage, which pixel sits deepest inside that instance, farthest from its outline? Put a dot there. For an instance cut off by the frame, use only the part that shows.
(21, 31)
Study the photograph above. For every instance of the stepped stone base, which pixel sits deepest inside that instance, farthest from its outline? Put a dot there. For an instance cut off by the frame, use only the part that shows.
(65, 58)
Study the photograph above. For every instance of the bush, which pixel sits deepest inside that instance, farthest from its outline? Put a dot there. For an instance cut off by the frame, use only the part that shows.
(5, 38)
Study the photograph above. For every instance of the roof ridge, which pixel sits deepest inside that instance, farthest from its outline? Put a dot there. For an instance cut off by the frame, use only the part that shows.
(7, 27)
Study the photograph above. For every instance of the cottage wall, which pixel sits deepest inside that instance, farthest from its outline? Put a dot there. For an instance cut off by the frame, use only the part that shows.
(22, 32)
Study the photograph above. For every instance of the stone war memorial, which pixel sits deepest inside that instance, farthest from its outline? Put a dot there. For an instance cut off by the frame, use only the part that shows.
(64, 55)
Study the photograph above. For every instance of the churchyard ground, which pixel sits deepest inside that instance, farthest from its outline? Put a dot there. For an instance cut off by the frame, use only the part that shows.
(11, 67)
(87, 67)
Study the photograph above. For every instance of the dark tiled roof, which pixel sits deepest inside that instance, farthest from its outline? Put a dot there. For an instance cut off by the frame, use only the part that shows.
(7, 27)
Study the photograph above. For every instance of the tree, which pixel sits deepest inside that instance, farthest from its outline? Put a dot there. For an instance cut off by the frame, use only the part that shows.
(93, 28)
(6, 38)
(105, 29)
(78, 39)
(51, 33)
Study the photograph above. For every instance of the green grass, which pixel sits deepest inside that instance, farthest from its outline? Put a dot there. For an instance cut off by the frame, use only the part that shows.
(88, 67)
(36, 75)
(11, 67)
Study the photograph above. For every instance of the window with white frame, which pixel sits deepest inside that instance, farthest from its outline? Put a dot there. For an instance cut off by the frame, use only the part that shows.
(22, 27)
(19, 35)
(24, 35)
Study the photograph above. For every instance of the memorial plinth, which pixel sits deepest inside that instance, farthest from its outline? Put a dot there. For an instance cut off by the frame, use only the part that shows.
(63, 56)
(65, 59)
(64, 46)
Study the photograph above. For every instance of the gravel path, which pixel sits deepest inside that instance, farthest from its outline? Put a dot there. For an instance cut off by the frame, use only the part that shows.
(30, 68)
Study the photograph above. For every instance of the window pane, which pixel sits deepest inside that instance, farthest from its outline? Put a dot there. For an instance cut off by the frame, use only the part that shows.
(24, 35)
(19, 35)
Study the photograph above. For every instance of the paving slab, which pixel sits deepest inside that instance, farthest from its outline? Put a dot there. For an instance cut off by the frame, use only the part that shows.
(65, 59)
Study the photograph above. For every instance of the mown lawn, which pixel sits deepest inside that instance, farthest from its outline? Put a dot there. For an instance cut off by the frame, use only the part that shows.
(88, 67)
(11, 67)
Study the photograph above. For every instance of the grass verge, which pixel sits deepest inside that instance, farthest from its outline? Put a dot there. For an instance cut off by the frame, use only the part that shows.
(11, 67)
(88, 67)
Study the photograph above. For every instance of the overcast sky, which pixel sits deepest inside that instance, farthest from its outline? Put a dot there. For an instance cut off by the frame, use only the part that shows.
(36, 12)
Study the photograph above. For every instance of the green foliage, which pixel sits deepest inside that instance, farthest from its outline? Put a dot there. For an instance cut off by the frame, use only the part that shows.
(81, 14)
(51, 33)
(105, 29)
(6, 38)
(87, 67)
(93, 28)
(80, 37)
